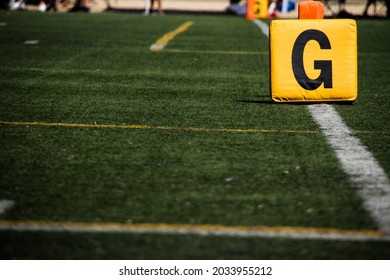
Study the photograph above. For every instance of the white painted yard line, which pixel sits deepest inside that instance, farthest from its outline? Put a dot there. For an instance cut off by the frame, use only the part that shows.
(5, 205)
(2, 24)
(199, 230)
(263, 26)
(356, 160)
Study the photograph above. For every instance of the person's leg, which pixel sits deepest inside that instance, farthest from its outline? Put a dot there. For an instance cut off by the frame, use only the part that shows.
(387, 8)
(369, 2)
(151, 5)
(147, 7)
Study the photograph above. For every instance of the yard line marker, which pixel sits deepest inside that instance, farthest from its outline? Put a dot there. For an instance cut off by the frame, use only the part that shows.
(263, 26)
(139, 126)
(200, 230)
(163, 41)
(5, 205)
(217, 52)
(356, 160)
(173, 128)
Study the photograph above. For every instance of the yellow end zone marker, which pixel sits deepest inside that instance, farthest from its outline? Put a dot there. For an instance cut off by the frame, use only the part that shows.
(202, 230)
(163, 41)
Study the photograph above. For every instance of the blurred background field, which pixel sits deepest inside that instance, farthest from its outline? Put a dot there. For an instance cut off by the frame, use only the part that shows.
(333, 8)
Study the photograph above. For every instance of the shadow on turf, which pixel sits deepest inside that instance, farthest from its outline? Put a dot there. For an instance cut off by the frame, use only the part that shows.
(294, 103)
(255, 101)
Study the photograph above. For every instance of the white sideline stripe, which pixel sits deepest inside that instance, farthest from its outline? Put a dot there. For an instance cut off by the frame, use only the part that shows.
(5, 205)
(263, 26)
(356, 160)
(200, 230)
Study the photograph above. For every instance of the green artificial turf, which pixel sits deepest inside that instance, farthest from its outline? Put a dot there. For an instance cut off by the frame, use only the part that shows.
(97, 69)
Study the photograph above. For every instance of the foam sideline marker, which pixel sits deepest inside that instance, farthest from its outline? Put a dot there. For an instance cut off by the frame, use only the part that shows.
(163, 41)
(311, 10)
(256, 9)
(313, 60)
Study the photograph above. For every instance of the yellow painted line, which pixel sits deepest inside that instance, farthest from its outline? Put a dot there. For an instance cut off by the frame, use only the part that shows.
(140, 126)
(203, 230)
(216, 52)
(163, 41)
(173, 128)
(81, 125)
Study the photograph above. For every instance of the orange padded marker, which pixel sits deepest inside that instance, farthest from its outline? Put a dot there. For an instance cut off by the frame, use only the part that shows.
(311, 10)
(250, 14)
